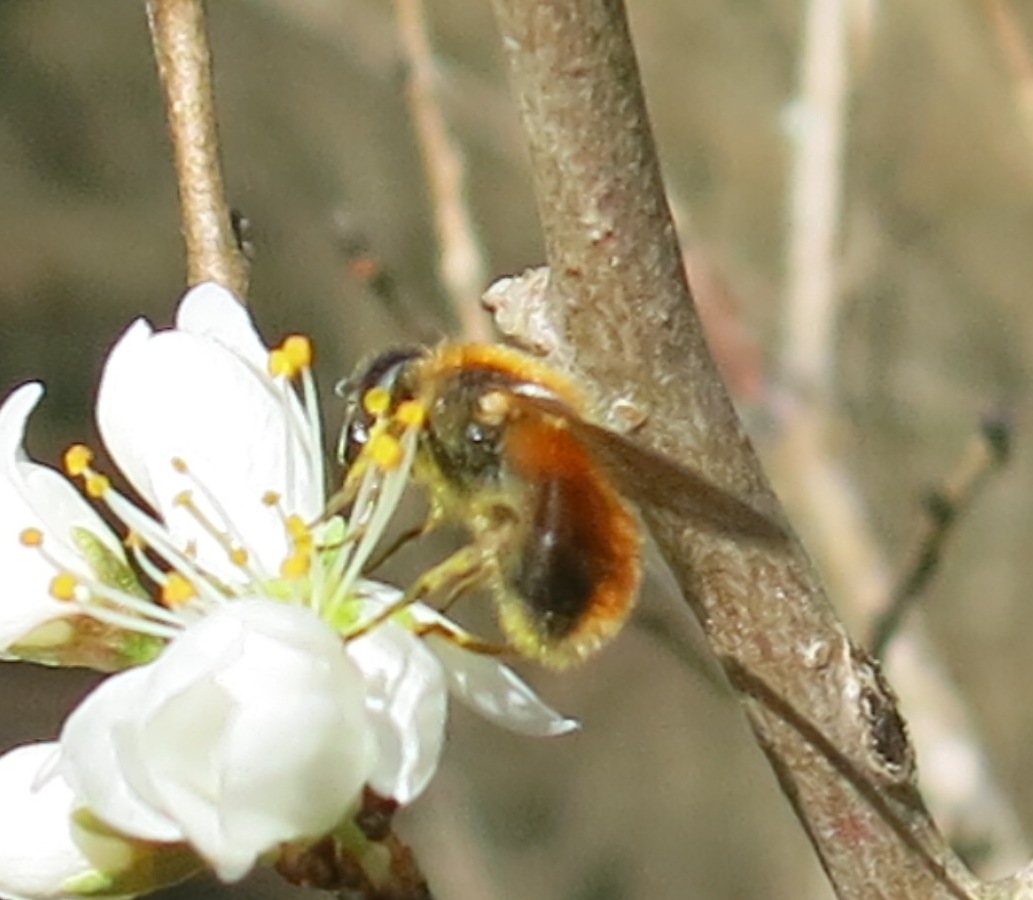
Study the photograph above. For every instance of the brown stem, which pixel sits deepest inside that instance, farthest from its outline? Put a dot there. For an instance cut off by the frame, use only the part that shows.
(625, 319)
(185, 69)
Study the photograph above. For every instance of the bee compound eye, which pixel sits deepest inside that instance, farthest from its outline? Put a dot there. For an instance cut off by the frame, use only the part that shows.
(354, 433)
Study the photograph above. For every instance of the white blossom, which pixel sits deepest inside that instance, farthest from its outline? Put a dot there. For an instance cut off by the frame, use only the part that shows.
(406, 696)
(40, 855)
(51, 848)
(287, 682)
(201, 394)
(35, 497)
(248, 731)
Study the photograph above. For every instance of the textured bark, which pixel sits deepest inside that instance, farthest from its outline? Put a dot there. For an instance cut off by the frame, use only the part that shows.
(622, 316)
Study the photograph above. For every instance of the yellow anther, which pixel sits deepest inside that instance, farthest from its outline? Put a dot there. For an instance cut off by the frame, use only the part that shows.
(177, 590)
(299, 533)
(97, 485)
(271, 498)
(179, 465)
(291, 357)
(62, 587)
(385, 451)
(376, 401)
(298, 350)
(31, 537)
(296, 565)
(239, 556)
(135, 541)
(280, 363)
(410, 414)
(78, 458)
(183, 498)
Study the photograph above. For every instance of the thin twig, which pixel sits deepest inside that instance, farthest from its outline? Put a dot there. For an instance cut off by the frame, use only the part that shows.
(622, 306)
(985, 454)
(185, 68)
(816, 190)
(462, 267)
(1017, 56)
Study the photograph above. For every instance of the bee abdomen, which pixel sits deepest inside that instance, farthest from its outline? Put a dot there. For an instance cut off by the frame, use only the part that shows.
(560, 565)
(573, 582)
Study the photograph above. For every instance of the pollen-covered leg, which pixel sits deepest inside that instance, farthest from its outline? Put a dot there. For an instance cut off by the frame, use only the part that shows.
(463, 639)
(406, 537)
(460, 571)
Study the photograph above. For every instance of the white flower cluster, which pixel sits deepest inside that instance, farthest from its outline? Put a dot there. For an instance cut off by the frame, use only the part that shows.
(252, 705)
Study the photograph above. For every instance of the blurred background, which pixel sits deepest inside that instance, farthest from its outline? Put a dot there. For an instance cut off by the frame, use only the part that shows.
(663, 794)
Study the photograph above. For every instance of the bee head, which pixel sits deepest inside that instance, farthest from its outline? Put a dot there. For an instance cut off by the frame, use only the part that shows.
(386, 372)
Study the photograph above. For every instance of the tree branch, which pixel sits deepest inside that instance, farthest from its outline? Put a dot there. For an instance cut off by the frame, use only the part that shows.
(185, 68)
(624, 319)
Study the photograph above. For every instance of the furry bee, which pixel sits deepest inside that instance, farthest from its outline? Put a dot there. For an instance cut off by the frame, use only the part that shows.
(506, 449)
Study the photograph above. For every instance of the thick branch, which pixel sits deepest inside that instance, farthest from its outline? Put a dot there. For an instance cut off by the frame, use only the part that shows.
(620, 302)
(185, 68)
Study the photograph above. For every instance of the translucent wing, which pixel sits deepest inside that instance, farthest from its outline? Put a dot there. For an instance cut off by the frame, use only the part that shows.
(651, 479)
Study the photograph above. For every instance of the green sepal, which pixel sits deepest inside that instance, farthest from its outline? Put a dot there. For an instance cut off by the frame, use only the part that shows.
(126, 867)
(110, 568)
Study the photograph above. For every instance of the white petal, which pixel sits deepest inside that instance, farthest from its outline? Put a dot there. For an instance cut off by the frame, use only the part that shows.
(34, 496)
(407, 700)
(122, 405)
(13, 416)
(38, 854)
(251, 731)
(209, 310)
(54, 502)
(103, 758)
(178, 395)
(495, 691)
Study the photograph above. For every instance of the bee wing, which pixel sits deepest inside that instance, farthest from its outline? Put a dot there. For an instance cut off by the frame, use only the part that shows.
(652, 479)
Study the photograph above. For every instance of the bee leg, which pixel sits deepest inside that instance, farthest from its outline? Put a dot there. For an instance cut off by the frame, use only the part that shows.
(461, 568)
(433, 520)
(342, 498)
(462, 639)
(461, 586)
(404, 538)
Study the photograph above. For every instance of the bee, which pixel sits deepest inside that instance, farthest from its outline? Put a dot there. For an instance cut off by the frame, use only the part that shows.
(506, 449)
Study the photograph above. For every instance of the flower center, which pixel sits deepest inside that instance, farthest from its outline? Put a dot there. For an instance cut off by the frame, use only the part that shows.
(323, 561)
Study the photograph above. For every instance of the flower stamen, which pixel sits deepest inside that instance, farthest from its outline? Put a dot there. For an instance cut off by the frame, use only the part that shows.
(384, 496)
(377, 401)
(297, 565)
(77, 460)
(153, 534)
(230, 540)
(177, 590)
(292, 357)
(103, 602)
(31, 537)
(64, 587)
